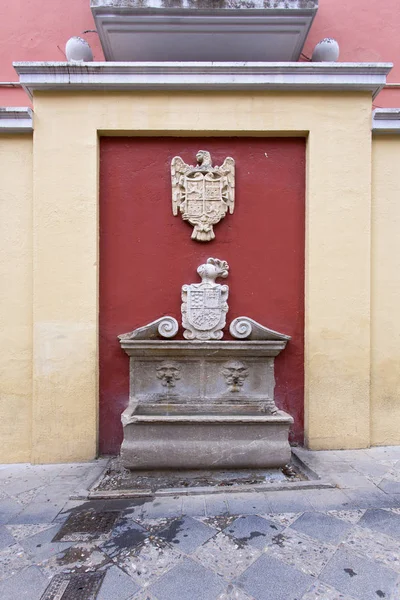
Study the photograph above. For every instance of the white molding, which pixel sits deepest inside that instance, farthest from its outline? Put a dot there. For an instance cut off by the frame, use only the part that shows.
(15, 119)
(386, 121)
(39, 76)
(205, 30)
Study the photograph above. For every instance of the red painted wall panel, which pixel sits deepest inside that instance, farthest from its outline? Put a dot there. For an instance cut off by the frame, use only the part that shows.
(146, 253)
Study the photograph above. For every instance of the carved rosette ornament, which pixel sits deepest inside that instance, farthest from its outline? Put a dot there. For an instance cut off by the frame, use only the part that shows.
(204, 304)
(203, 194)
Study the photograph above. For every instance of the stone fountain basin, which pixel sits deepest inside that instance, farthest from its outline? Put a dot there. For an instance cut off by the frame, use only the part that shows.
(206, 441)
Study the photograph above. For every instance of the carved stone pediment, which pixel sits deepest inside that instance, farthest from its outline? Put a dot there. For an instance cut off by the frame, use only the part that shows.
(244, 328)
(165, 327)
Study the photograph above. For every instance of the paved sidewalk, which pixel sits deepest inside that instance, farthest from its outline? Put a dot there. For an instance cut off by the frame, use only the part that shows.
(325, 544)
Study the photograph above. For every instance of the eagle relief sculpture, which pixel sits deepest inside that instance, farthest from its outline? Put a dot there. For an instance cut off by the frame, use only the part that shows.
(203, 194)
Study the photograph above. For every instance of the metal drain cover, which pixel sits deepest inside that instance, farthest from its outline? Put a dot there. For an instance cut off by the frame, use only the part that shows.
(74, 587)
(85, 525)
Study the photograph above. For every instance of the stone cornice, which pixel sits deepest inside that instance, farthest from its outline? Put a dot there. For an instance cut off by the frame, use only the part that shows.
(386, 121)
(15, 120)
(204, 76)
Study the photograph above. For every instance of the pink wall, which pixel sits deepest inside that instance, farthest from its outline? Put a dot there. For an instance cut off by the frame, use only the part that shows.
(367, 31)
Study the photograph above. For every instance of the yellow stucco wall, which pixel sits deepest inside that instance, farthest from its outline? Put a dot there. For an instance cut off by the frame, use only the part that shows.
(385, 300)
(65, 307)
(15, 297)
(49, 260)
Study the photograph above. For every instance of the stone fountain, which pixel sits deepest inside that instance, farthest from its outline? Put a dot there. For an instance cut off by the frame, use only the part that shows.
(201, 402)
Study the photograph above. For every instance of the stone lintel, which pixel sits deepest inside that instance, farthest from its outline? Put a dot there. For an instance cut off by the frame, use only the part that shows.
(386, 121)
(196, 349)
(15, 120)
(203, 76)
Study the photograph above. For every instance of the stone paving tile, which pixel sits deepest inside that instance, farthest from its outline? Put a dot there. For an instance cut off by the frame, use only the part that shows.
(350, 516)
(81, 558)
(330, 499)
(147, 563)
(29, 584)
(396, 511)
(395, 595)
(372, 498)
(358, 576)
(284, 519)
(301, 551)
(125, 536)
(188, 580)
(216, 504)
(382, 521)
(253, 530)
(319, 591)
(218, 522)
(271, 579)
(194, 506)
(20, 532)
(143, 595)
(163, 507)
(117, 585)
(234, 593)
(186, 534)
(225, 557)
(321, 527)
(6, 539)
(37, 513)
(13, 559)
(287, 501)
(247, 503)
(351, 480)
(9, 509)
(374, 545)
(371, 468)
(41, 547)
(390, 486)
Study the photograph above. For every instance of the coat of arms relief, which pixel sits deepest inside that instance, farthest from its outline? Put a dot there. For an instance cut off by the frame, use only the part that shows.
(203, 194)
(205, 305)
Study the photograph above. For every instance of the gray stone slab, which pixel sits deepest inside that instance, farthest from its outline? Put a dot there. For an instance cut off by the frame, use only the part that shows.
(225, 557)
(290, 501)
(29, 584)
(117, 585)
(6, 539)
(253, 530)
(374, 545)
(41, 547)
(322, 527)
(186, 534)
(126, 535)
(371, 468)
(270, 579)
(248, 503)
(390, 487)
(162, 507)
(372, 498)
(9, 509)
(37, 513)
(359, 577)
(330, 499)
(216, 504)
(306, 554)
(194, 506)
(188, 580)
(383, 521)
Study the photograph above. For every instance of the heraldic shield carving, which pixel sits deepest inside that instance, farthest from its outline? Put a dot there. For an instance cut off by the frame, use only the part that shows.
(203, 194)
(205, 305)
